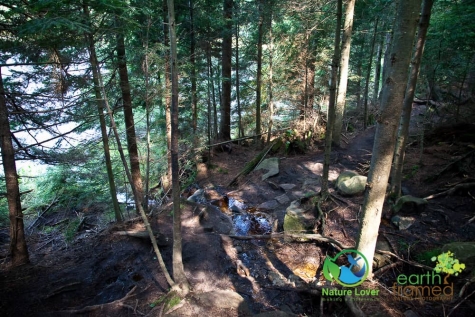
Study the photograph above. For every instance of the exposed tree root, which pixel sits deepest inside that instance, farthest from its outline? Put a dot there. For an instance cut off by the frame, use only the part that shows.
(452, 191)
(406, 261)
(297, 237)
(116, 303)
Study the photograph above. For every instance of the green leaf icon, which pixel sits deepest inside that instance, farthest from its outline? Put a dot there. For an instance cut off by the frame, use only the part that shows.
(331, 270)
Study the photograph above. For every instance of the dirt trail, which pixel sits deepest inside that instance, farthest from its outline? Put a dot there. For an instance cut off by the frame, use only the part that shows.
(100, 267)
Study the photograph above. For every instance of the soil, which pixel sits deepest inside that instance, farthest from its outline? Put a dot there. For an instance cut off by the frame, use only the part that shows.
(102, 272)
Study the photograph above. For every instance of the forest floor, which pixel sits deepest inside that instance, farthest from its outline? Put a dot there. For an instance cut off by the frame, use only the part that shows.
(103, 272)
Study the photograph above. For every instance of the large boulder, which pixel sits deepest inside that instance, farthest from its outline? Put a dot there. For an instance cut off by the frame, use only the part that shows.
(349, 183)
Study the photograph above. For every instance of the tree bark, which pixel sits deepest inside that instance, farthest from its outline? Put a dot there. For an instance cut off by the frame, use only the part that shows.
(18, 249)
(178, 269)
(396, 171)
(368, 73)
(96, 70)
(238, 96)
(225, 131)
(194, 96)
(387, 122)
(128, 115)
(344, 63)
(168, 88)
(260, 31)
(331, 103)
(377, 73)
(103, 125)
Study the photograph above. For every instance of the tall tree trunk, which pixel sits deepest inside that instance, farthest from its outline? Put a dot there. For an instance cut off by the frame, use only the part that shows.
(368, 74)
(147, 112)
(387, 123)
(387, 50)
(168, 88)
(225, 131)
(271, 80)
(238, 96)
(178, 269)
(18, 249)
(396, 171)
(194, 96)
(377, 73)
(98, 78)
(260, 31)
(344, 62)
(331, 103)
(105, 137)
(128, 115)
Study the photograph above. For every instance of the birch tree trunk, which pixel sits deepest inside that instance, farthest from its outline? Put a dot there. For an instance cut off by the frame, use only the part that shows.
(396, 171)
(344, 62)
(18, 249)
(386, 128)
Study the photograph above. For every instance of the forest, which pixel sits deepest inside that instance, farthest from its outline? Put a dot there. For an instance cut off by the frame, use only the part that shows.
(237, 158)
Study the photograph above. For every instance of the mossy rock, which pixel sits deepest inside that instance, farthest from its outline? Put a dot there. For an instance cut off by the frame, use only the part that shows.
(463, 251)
(350, 183)
(409, 201)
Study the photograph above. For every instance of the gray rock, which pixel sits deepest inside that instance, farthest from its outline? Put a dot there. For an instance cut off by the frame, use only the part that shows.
(287, 186)
(350, 183)
(271, 165)
(198, 196)
(409, 202)
(296, 220)
(271, 204)
(283, 199)
(403, 223)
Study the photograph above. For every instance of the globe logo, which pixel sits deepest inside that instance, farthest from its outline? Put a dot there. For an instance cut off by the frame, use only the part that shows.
(345, 275)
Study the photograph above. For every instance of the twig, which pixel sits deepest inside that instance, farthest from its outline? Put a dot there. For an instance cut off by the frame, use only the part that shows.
(44, 211)
(387, 267)
(62, 289)
(463, 300)
(451, 191)
(91, 308)
(406, 261)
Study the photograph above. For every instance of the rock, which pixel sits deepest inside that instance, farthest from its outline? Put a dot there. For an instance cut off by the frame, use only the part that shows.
(410, 202)
(350, 183)
(271, 204)
(403, 223)
(283, 199)
(218, 222)
(287, 186)
(271, 165)
(276, 279)
(296, 220)
(197, 197)
(463, 251)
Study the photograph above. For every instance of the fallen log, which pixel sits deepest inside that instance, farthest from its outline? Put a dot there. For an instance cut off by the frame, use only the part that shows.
(252, 164)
